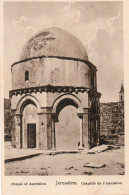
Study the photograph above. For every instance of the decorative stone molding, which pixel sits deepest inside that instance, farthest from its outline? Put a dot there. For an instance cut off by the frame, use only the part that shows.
(91, 66)
(53, 89)
(22, 101)
(48, 88)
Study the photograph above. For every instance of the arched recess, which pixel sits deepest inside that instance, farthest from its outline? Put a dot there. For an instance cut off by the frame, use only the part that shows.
(71, 99)
(66, 123)
(23, 100)
(64, 103)
(28, 108)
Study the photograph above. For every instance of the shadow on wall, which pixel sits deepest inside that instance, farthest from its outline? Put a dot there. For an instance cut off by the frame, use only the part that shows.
(67, 129)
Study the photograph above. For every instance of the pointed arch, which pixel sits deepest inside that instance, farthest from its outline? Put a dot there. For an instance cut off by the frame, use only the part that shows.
(65, 100)
(25, 100)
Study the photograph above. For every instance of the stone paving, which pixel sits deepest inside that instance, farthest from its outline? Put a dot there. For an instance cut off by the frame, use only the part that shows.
(70, 164)
(13, 154)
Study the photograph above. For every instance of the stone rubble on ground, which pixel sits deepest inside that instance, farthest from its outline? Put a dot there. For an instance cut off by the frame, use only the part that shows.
(94, 165)
(98, 149)
(69, 168)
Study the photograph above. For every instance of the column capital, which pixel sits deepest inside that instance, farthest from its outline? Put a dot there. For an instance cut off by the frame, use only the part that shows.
(54, 117)
(18, 114)
(80, 115)
(86, 110)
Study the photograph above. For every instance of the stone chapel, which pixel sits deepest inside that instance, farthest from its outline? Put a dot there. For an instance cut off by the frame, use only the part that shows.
(52, 73)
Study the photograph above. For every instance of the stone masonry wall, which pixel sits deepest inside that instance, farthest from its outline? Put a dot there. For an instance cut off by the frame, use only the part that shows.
(7, 119)
(112, 123)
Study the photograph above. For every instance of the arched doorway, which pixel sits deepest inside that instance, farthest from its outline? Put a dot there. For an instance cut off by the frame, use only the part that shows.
(67, 129)
(29, 124)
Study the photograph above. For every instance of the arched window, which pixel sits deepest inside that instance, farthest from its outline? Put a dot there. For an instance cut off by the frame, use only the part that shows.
(27, 75)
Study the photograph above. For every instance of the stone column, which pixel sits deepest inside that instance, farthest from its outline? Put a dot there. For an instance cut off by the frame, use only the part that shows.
(18, 130)
(24, 133)
(42, 131)
(45, 129)
(98, 130)
(86, 129)
(21, 132)
(80, 115)
(13, 130)
(53, 133)
(49, 131)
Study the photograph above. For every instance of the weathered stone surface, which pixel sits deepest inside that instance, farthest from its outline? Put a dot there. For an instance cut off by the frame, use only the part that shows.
(112, 123)
(98, 149)
(94, 165)
(43, 79)
(54, 42)
(8, 122)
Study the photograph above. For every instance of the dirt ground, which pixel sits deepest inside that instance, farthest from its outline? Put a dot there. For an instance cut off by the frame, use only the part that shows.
(69, 164)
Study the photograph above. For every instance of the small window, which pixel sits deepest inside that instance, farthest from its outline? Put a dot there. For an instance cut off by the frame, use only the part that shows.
(27, 75)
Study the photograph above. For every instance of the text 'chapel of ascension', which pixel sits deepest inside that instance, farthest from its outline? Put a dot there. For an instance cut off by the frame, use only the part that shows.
(54, 72)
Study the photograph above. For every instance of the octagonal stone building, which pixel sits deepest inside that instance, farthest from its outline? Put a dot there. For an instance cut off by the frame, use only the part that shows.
(53, 72)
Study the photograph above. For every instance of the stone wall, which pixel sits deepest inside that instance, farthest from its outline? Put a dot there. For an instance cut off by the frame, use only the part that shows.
(112, 123)
(53, 71)
(7, 119)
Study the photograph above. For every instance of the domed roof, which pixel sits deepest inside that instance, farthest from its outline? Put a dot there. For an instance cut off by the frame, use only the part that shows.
(54, 42)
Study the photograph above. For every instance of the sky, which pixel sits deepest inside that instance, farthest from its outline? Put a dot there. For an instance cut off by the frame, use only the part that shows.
(99, 25)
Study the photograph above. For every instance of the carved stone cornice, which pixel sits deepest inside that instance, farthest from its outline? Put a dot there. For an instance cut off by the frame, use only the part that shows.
(48, 88)
(53, 89)
(90, 65)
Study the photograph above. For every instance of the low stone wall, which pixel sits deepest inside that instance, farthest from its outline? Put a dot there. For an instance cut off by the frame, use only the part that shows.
(112, 123)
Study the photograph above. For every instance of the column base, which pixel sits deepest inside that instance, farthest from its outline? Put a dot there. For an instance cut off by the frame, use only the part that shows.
(53, 148)
(80, 148)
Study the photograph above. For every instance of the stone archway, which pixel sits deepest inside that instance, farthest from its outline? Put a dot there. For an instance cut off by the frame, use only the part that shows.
(62, 103)
(29, 124)
(26, 118)
(20, 104)
(67, 128)
(76, 101)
